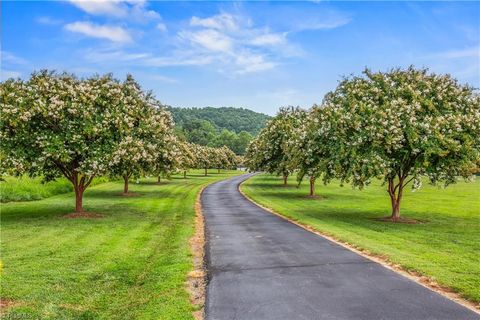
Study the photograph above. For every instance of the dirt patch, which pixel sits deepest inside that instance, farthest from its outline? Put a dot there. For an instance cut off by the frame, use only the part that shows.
(6, 303)
(401, 220)
(314, 197)
(84, 214)
(130, 194)
(196, 281)
(383, 260)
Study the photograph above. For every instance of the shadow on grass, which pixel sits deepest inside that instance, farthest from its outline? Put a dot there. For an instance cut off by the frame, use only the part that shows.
(304, 196)
(118, 194)
(55, 212)
(153, 183)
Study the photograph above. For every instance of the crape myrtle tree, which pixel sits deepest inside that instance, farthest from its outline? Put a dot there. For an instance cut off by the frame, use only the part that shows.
(55, 124)
(239, 161)
(146, 139)
(186, 158)
(224, 158)
(209, 157)
(253, 159)
(272, 150)
(166, 157)
(204, 157)
(308, 145)
(230, 158)
(402, 125)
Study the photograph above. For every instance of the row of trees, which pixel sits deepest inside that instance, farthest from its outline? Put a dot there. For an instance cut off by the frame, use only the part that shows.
(397, 126)
(57, 124)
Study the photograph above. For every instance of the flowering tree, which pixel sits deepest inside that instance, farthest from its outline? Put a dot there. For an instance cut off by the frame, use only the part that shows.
(146, 140)
(402, 125)
(224, 158)
(186, 158)
(209, 157)
(55, 124)
(272, 150)
(230, 158)
(308, 146)
(204, 157)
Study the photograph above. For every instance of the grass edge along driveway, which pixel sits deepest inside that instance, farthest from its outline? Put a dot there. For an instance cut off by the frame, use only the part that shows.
(445, 248)
(130, 264)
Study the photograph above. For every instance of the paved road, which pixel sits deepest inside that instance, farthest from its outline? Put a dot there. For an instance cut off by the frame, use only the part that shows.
(263, 267)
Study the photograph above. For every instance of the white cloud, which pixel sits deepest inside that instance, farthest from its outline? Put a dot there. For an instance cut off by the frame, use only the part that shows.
(101, 7)
(230, 43)
(178, 59)
(9, 57)
(250, 63)
(157, 77)
(112, 33)
(223, 21)
(319, 24)
(48, 21)
(7, 74)
(181, 58)
(162, 27)
(269, 39)
(233, 43)
(209, 39)
(101, 56)
(132, 9)
(462, 53)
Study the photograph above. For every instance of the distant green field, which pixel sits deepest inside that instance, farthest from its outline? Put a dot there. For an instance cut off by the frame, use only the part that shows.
(446, 247)
(27, 189)
(130, 264)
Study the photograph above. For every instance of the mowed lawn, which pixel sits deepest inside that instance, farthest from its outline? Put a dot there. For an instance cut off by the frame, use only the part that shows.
(130, 264)
(446, 247)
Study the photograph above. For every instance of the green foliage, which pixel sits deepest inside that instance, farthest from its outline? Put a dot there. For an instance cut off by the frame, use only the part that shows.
(146, 145)
(232, 119)
(272, 150)
(55, 124)
(443, 247)
(218, 127)
(28, 189)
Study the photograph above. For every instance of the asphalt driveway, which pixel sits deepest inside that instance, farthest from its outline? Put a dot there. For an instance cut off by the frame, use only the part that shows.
(263, 267)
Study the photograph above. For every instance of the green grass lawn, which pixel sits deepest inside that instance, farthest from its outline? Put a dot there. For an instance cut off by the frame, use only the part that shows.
(130, 264)
(446, 247)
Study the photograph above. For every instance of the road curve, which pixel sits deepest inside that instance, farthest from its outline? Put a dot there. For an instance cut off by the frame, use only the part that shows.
(263, 267)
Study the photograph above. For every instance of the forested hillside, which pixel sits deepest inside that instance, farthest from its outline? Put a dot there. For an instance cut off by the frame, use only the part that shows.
(232, 119)
(216, 127)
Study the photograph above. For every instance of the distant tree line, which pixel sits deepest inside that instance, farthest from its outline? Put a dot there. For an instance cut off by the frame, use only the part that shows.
(218, 127)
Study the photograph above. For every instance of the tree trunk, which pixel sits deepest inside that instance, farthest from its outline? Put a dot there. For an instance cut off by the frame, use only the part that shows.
(125, 185)
(396, 210)
(184, 174)
(285, 179)
(80, 183)
(312, 186)
(159, 179)
(78, 198)
(396, 193)
(218, 170)
(206, 172)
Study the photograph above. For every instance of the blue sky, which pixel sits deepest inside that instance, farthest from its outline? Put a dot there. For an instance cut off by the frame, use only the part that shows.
(258, 55)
